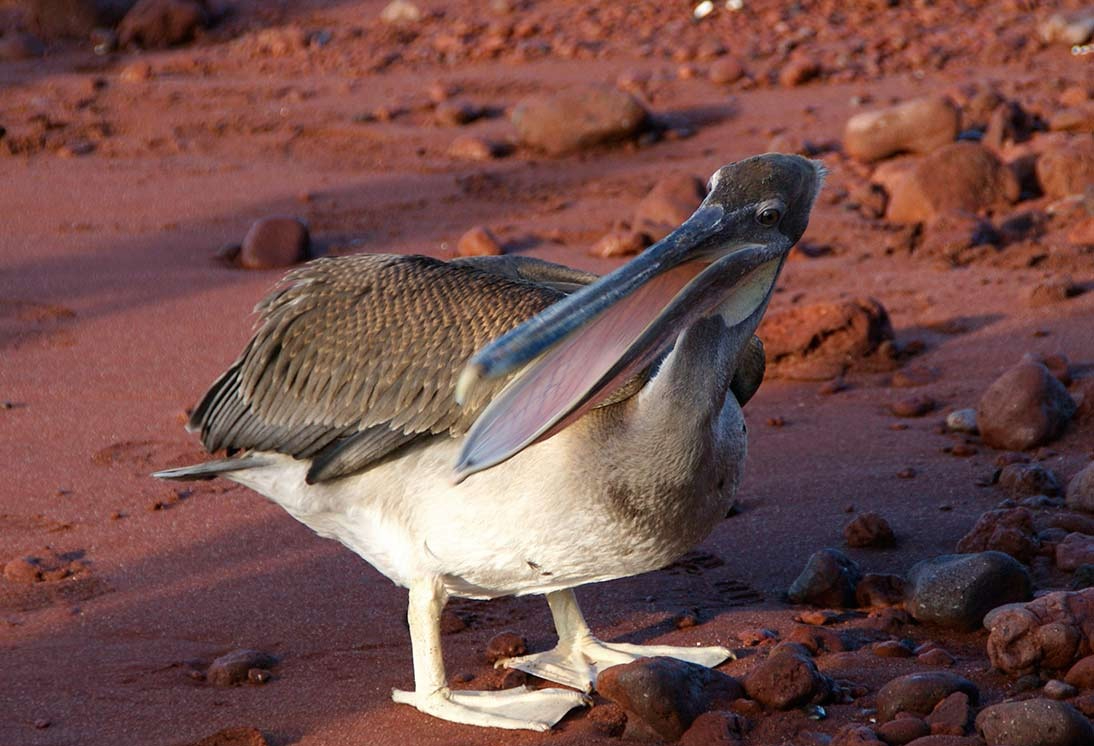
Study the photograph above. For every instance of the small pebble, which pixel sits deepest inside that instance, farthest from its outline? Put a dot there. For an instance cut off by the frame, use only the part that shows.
(915, 406)
(504, 645)
(935, 659)
(962, 420)
(1056, 689)
(479, 241)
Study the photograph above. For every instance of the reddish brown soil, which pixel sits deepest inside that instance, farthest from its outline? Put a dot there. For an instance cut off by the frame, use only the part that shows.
(114, 318)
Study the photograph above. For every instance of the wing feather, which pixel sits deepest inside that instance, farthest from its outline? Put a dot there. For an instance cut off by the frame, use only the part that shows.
(354, 357)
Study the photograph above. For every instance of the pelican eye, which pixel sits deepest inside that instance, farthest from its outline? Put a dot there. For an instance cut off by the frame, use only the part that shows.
(768, 216)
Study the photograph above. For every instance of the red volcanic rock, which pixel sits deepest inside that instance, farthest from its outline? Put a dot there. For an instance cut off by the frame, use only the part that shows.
(608, 719)
(1077, 119)
(914, 375)
(816, 639)
(455, 113)
(821, 341)
(903, 730)
(577, 119)
(154, 24)
(505, 645)
(1024, 408)
(619, 243)
(855, 735)
(1009, 531)
(667, 694)
(479, 241)
(787, 679)
(868, 530)
(935, 658)
(1067, 168)
(471, 148)
(1075, 551)
(1081, 675)
(961, 176)
(671, 201)
(274, 242)
(1051, 291)
(798, 71)
(876, 590)
(913, 406)
(718, 728)
(892, 649)
(921, 126)
(725, 71)
(1050, 632)
(1034, 722)
(919, 693)
(952, 716)
(23, 570)
(957, 237)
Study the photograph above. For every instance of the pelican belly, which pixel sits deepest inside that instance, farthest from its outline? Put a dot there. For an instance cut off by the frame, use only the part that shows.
(562, 513)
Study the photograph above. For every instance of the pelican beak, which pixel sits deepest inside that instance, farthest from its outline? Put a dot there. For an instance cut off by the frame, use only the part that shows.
(577, 352)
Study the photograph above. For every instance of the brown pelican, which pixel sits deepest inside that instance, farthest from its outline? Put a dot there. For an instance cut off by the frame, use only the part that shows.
(505, 426)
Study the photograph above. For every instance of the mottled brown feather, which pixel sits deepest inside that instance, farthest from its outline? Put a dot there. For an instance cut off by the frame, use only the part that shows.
(369, 343)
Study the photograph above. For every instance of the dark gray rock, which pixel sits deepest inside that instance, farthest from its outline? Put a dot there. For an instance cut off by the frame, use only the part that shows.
(1034, 722)
(232, 668)
(1024, 408)
(577, 118)
(957, 590)
(919, 693)
(829, 579)
(667, 694)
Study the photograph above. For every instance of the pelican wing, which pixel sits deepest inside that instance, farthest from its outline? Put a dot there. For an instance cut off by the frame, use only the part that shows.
(355, 357)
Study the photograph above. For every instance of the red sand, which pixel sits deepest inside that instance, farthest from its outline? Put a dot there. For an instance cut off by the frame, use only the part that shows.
(114, 318)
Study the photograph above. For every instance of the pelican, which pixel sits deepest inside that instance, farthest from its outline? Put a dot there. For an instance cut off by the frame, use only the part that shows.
(505, 426)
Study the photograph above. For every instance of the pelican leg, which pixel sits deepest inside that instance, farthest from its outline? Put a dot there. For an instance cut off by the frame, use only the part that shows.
(579, 657)
(519, 708)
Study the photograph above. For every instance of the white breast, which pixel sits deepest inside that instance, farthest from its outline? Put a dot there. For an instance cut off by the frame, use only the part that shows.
(600, 500)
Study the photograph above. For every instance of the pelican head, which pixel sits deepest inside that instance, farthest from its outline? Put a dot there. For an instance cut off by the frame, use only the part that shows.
(723, 259)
